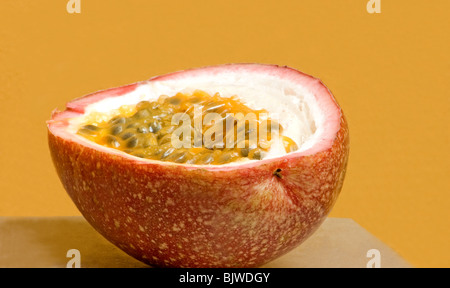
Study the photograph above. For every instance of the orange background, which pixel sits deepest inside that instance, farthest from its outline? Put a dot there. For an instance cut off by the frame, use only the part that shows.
(389, 72)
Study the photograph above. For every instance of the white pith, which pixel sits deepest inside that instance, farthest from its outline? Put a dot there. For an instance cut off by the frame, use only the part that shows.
(294, 106)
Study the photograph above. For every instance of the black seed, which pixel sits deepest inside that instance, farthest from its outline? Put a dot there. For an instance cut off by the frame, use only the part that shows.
(118, 120)
(224, 158)
(116, 129)
(167, 153)
(132, 125)
(142, 129)
(174, 100)
(142, 114)
(165, 139)
(179, 157)
(115, 144)
(257, 155)
(146, 143)
(149, 140)
(91, 127)
(86, 131)
(132, 142)
(154, 127)
(244, 152)
(127, 135)
(112, 141)
(208, 158)
(195, 100)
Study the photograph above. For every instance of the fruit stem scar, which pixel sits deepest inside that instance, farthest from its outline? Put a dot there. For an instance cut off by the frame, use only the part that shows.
(278, 173)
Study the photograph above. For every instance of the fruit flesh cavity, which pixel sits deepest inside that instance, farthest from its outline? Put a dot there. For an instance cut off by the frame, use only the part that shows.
(146, 130)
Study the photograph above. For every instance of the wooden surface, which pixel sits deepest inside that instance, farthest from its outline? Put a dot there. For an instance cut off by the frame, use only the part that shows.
(44, 242)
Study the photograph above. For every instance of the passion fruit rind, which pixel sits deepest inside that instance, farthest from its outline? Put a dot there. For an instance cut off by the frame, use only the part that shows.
(183, 215)
(205, 224)
(148, 131)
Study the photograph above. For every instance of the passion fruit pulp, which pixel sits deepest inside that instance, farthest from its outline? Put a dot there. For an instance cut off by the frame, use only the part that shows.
(148, 131)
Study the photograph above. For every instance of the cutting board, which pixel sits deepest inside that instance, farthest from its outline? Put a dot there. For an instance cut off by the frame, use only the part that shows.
(44, 242)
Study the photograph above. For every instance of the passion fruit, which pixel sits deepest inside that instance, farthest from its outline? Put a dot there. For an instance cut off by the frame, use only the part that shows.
(175, 173)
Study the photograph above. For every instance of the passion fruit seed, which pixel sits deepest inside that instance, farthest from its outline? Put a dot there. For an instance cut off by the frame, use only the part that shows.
(116, 129)
(255, 154)
(132, 125)
(147, 133)
(142, 129)
(167, 153)
(207, 158)
(86, 132)
(132, 142)
(111, 141)
(142, 114)
(165, 138)
(155, 126)
(244, 152)
(118, 120)
(127, 135)
(179, 156)
(91, 127)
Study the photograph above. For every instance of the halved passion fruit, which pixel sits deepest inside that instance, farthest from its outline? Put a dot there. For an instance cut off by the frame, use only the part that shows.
(224, 166)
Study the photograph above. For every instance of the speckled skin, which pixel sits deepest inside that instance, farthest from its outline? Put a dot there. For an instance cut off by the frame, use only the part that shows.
(173, 215)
